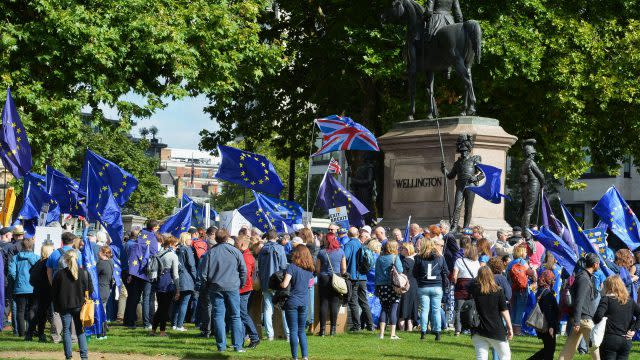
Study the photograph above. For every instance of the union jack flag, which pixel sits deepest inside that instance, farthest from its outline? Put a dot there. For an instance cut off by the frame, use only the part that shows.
(342, 133)
(334, 167)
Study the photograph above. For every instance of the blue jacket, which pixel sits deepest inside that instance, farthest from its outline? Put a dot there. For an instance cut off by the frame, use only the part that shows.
(19, 267)
(383, 268)
(351, 252)
(224, 268)
(187, 268)
(270, 259)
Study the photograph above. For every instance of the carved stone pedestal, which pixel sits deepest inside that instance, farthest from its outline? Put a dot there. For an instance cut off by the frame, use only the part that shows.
(413, 183)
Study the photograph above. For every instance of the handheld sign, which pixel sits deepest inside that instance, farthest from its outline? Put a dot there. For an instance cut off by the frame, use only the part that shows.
(44, 235)
(339, 216)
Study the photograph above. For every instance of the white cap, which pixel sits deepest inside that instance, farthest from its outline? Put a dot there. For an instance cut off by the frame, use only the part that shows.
(297, 227)
(366, 228)
(296, 240)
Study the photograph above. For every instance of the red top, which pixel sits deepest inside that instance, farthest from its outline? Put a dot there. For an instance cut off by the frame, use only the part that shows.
(200, 247)
(250, 262)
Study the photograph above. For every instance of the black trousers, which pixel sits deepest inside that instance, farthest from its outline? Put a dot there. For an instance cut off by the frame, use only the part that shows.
(546, 353)
(133, 298)
(614, 347)
(161, 315)
(25, 311)
(40, 306)
(329, 301)
(359, 306)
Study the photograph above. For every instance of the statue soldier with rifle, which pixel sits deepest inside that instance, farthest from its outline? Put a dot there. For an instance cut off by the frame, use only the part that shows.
(531, 182)
(466, 173)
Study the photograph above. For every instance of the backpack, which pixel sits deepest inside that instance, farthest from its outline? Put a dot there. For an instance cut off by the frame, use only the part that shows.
(566, 298)
(366, 260)
(469, 318)
(519, 278)
(200, 248)
(399, 280)
(154, 266)
(61, 263)
(38, 275)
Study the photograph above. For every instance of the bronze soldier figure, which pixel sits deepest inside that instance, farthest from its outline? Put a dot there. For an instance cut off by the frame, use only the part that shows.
(531, 182)
(363, 185)
(439, 13)
(466, 173)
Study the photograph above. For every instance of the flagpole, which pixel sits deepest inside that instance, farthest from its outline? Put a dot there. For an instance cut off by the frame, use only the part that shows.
(261, 210)
(446, 186)
(313, 131)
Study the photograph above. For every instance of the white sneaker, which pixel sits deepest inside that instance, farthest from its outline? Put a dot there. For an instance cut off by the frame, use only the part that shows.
(181, 328)
(173, 327)
(147, 327)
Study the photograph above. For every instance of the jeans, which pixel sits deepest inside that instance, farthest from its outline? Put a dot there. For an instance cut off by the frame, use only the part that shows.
(571, 345)
(162, 314)
(267, 314)
(430, 299)
(482, 345)
(359, 305)
(24, 313)
(67, 316)
(247, 322)
(180, 309)
(136, 288)
(297, 319)
(312, 303)
(148, 303)
(518, 306)
(456, 321)
(615, 347)
(204, 310)
(223, 301)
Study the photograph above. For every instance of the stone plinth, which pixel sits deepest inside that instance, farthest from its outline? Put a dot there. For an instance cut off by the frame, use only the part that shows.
(413, 182)
(131, 221)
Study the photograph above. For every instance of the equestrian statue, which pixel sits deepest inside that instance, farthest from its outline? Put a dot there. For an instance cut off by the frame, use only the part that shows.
(437, 39)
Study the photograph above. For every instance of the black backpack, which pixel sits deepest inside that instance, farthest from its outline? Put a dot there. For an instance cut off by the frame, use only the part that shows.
(38, 275)
(469, 318)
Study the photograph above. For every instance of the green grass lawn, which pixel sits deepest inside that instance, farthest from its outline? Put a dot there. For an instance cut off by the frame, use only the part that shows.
(348, 346)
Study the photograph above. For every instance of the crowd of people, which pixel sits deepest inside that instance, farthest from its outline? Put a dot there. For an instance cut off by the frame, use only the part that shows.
(430, 280)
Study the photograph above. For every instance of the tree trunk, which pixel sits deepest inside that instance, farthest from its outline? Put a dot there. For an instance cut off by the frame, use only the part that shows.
(292, 177)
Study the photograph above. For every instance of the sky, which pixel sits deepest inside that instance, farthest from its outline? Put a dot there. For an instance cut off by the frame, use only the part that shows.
(178, 124)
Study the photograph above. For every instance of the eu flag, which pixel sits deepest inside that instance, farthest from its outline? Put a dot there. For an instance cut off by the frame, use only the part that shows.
(100, 318)
(1, 291)
(101, 206)
(490, 190)
(250, 170)
(140, 252)
(615, 212)
(580, 239)
(198, 215)
(66, 192)
(551, 221)
(15, 149)
(179, 222)
(266, 212)
(117, 266)
(562, 251)
(332, 194)
(121, 183)
(35, 197)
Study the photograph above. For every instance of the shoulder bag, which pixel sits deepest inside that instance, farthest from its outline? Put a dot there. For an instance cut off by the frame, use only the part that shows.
(88, 308)
(536, 319)
(338, 283)
(399, 280)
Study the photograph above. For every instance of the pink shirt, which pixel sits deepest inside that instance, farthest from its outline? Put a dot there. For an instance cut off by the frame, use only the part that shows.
(535, 259)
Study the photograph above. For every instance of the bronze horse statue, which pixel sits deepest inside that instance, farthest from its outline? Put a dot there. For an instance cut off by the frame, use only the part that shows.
(452, 46)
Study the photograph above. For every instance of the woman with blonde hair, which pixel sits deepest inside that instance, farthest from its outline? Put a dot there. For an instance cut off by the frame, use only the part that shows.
(41, 294)
(620, 311)
(187, 276)
(408, 308)
(431, 273)
(389, 299)
(495, 323)
(69, 286)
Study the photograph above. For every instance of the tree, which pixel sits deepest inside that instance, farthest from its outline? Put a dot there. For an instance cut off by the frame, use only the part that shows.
(59, 56)
(569, 67)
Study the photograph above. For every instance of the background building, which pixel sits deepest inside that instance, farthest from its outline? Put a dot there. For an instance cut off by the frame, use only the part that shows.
(190, 172)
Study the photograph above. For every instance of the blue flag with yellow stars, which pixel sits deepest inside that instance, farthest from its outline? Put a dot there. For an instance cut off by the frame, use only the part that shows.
(35, 197)
(562, 251)
(247, 169)
(267, 212)
(179, 222)
(16, 151)
(102, 207)
(121, 183)
(100, 318)
(614, 211)
(140, 252)
(580, 239)
(198, 213)
(66, 192)
(332, 194)
(490, 190)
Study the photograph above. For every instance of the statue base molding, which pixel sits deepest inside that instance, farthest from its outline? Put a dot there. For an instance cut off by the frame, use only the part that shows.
(413, 182)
